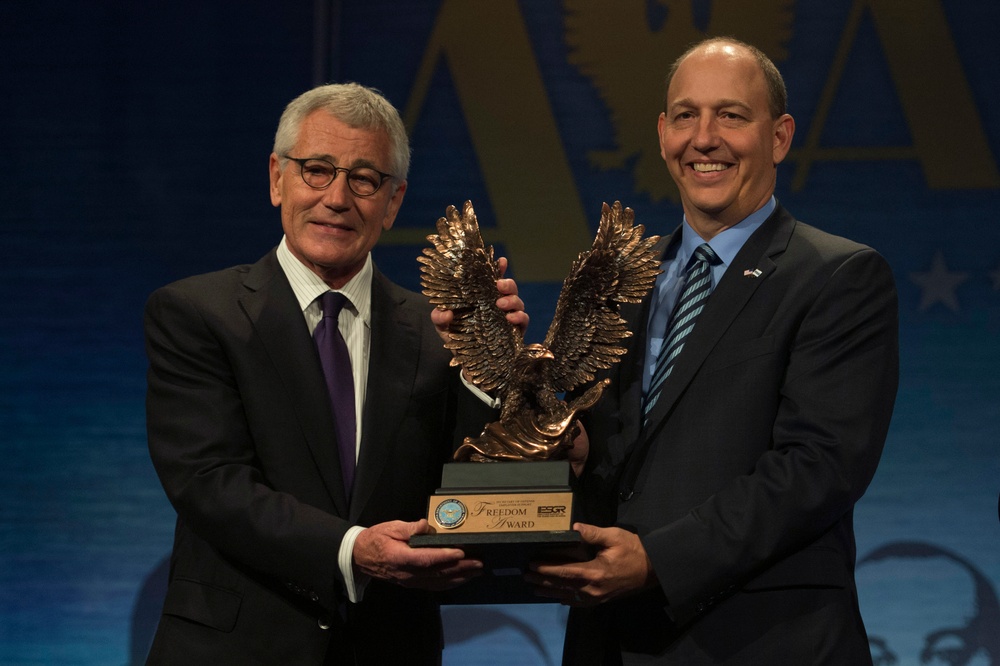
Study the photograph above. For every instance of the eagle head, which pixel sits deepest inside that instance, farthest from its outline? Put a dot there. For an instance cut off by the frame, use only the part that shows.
(533, 358)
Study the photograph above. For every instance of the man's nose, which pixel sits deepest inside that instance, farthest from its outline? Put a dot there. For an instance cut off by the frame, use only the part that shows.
(706, 134)
(338, 193)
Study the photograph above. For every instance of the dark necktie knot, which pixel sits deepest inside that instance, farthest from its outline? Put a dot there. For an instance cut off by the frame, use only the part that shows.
(332, 303)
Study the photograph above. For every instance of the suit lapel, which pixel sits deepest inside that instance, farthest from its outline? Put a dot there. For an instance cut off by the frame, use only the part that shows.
(724, 305)
(277, 320)
(392, 368)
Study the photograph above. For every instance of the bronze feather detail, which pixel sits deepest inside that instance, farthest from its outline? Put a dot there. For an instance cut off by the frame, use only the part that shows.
(459, 273)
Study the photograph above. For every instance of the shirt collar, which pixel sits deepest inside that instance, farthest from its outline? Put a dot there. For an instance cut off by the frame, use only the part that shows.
(726, 243)
(308, 286)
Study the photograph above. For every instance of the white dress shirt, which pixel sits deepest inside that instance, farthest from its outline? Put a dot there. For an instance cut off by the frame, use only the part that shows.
(355, 325)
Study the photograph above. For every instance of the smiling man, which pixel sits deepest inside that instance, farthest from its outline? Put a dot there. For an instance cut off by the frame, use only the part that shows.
(299, 410)
(748, 417)
(722, 136)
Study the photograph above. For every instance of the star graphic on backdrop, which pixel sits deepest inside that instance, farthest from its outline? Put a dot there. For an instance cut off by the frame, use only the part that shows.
(938, 284)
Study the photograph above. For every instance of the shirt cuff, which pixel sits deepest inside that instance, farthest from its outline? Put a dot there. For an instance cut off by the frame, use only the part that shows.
(345, 560)
(492, 402)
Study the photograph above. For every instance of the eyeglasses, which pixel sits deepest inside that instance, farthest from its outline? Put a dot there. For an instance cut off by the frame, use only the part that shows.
(318, 174)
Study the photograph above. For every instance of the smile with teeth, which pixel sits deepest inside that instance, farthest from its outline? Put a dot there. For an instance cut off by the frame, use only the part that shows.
(706, 167)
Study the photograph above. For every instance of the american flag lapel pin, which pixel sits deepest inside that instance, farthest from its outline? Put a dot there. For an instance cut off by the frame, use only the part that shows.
(752, 273)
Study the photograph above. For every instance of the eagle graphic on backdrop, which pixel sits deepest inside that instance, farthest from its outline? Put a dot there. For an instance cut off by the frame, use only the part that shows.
(459, 273)
(613, 45)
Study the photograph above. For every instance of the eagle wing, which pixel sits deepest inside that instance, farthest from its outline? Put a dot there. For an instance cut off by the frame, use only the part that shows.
(586, 331)
(625, 48)
(611, 43)
(458, 273)
(624, 77)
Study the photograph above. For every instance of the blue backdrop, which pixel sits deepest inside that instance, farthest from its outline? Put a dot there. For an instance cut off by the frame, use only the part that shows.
(135, 139)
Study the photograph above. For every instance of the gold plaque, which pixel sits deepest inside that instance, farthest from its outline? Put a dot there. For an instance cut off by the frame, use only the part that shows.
(494, 512)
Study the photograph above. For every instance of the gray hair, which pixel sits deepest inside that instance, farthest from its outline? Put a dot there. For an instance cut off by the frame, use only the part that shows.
(355, 105)
(777, 94)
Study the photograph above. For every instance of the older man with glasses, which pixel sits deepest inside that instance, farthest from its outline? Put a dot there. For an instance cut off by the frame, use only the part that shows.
(299, 410)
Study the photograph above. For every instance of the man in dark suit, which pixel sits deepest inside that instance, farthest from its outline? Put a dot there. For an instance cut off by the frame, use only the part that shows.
(282, 555)
(726, 458)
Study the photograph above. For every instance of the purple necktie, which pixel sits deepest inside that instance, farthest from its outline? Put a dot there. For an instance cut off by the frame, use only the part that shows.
(339, 380)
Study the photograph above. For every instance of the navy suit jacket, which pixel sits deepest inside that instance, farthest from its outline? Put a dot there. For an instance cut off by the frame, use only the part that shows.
(742, 485)
(241, 435)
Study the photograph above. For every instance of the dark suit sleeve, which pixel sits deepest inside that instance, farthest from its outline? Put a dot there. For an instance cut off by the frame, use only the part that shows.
(207, 454)
(836, 389)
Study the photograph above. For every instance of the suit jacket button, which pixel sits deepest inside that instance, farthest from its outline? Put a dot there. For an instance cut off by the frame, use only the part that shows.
(324, 622)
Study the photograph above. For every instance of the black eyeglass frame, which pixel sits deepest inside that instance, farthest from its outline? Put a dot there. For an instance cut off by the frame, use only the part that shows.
(301, 161)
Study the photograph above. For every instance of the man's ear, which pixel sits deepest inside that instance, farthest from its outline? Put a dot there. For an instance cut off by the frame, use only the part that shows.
(393, 206)
(661, 124)
(784, 130)
(274, 175)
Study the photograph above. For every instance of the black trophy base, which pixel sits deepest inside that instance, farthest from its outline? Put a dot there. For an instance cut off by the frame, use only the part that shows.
(505, 557)
(505, 554)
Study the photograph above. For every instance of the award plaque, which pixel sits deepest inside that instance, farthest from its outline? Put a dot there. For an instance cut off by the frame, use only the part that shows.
(507, 500)
(498, 499)
(506, 515)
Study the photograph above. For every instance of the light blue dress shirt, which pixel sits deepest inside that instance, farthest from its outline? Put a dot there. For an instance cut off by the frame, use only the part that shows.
(670, 282)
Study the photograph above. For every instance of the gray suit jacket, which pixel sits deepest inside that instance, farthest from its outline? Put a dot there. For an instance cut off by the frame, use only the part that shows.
(743, 484)
(241, 434)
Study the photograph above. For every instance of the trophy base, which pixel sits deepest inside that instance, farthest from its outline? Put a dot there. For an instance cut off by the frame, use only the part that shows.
(505, 514)
(505, 557)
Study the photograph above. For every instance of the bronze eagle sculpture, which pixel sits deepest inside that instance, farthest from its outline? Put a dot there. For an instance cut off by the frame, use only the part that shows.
(459, 273)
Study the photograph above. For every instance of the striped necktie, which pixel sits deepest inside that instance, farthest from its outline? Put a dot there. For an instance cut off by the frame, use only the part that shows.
(697, 287)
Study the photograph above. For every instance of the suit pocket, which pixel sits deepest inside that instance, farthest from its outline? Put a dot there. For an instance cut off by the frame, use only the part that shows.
(205, 604)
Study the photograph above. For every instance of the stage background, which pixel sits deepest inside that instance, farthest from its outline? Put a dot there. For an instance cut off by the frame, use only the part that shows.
(135, 138)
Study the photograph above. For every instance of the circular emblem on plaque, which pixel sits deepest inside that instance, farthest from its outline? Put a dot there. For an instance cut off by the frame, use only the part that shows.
(450, 513)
